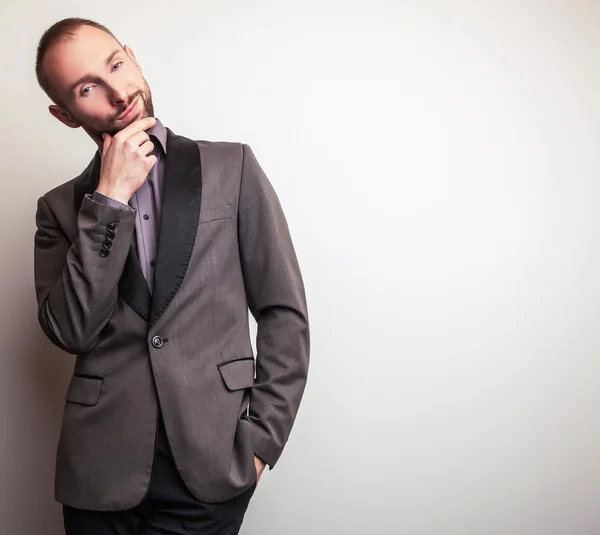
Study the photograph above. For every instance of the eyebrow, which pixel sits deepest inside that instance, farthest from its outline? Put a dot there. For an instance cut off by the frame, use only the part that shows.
(89, 76)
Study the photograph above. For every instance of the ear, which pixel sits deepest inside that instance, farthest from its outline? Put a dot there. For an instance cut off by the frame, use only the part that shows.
(132, 56)
(63, 116)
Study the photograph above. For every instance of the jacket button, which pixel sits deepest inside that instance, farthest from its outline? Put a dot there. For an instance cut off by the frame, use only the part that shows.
(157, 342)
(104, 252)
(110, 234)
(107, 244)
(111, 226)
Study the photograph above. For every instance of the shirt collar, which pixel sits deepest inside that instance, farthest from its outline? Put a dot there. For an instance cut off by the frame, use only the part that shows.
(160, 133)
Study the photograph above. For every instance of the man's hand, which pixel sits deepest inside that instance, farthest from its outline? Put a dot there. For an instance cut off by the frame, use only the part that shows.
(259, 464)
(126, 161)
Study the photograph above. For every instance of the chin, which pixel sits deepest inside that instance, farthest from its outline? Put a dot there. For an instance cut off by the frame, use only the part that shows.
(120, 126)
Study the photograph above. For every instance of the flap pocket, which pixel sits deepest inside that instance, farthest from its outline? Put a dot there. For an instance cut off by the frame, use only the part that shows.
(213, 213)
(238, 373)
(84, 389)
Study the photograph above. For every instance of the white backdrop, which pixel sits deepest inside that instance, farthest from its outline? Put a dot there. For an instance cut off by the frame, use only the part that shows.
(438, 165)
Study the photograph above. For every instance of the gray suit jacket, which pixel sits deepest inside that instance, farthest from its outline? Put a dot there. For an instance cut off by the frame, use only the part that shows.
(224, 247)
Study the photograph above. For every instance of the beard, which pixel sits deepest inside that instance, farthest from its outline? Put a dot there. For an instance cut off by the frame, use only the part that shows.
(113, 125)
(147, 110)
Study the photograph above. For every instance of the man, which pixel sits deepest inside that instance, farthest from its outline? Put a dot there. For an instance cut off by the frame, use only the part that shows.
(145, 267)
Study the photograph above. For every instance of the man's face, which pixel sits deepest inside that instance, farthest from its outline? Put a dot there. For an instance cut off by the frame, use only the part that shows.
(99, 83)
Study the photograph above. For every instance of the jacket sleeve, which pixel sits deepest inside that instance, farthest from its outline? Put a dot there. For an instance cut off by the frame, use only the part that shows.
(276, 298)
(76, 283)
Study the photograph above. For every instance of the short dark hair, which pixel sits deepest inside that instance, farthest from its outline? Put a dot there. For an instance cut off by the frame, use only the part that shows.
(62, 30)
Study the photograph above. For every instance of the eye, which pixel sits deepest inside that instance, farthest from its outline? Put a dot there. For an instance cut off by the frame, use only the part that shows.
(118, 63)
(85, 90)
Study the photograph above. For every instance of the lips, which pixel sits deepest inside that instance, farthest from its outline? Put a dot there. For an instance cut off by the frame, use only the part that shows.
(128, 110)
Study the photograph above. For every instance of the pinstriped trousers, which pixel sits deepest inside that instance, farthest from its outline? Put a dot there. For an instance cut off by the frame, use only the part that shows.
(167, 509)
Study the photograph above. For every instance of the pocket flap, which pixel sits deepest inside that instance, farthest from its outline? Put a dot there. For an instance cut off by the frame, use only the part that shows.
(212, 213)
(238, 373)
(84, 390)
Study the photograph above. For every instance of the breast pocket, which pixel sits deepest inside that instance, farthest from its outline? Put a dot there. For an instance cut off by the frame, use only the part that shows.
(215, 212)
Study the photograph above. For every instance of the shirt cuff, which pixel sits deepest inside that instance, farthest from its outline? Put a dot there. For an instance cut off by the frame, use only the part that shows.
(103, 199)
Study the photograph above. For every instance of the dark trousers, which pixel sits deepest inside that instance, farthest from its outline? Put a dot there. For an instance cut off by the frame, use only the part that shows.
(168, 508)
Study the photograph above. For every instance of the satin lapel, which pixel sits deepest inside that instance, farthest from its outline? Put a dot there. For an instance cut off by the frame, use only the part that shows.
(182, 195)
(132, 285)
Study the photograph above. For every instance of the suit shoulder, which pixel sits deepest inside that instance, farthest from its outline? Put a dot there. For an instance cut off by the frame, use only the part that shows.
(60, 199)
(221, 149)
(224, 157)
(61, 191)
(219, 144)
(65, 192)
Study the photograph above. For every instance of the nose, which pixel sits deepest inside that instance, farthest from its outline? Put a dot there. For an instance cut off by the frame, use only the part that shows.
(117, 95)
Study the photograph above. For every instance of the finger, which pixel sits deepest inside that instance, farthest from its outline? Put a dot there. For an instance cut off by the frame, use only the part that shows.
(137, 139)
(107, 139)
(151, 161)
(147, 147)
(137, 126)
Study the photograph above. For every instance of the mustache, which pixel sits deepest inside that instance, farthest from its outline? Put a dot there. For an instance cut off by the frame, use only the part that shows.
(133, 97)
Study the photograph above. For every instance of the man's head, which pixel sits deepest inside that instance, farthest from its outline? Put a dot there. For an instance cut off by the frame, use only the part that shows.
(91, 78)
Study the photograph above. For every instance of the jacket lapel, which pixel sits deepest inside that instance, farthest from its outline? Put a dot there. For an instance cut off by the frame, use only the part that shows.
(132, 284)
(182, 195)
(133, 287)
